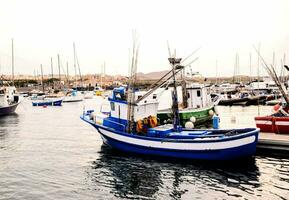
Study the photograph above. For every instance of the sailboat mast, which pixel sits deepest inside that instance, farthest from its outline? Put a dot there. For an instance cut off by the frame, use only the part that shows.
(12, 62)
(74, 63)
(59, 70)
(52, 73)
(42, 83)
(76, 59)
(67, 73)
(250, 63)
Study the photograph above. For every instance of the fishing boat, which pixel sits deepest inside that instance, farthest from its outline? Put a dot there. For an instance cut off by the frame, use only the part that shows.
(48, 102)
(200, 106)
(163, 140)
(131, 126)
(9, 100)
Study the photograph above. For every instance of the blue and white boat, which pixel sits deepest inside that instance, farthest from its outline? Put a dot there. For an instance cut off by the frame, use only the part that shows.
(163, 140)
(48, 102)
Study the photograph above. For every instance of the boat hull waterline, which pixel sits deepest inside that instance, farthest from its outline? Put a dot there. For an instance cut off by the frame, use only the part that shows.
(8, 109)
(234, 147)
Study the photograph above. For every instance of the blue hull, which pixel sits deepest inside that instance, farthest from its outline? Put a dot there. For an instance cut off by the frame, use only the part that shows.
(228, 153)
(48, 103)
(224, 154)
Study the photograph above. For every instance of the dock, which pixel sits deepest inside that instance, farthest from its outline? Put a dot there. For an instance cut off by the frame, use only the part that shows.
(273, 141)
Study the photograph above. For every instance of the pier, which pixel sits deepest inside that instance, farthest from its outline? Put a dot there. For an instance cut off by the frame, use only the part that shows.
(272, 141)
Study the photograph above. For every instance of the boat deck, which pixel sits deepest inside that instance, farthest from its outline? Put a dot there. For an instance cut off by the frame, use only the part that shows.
(273, 141)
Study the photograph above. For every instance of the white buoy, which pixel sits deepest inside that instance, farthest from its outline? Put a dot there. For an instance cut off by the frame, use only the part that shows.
(211, 113)
(193, 119)
(189, 124)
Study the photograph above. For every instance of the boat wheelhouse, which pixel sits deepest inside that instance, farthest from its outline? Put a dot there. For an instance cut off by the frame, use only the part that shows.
(200, 106)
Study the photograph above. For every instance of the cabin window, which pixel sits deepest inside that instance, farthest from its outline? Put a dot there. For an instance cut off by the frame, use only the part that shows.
(112, 106)
(154, 96)
(198, 93)
(188, 95)
(138, 97)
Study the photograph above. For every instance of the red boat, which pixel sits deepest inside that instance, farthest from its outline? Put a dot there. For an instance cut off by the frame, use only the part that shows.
(276, 123)
(273, 124)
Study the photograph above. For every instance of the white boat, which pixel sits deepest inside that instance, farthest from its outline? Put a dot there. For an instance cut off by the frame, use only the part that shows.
(73, 96)
(9, 100)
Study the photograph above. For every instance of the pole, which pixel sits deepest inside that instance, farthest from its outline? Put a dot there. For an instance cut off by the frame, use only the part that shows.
(74, 63)
(59, 70)
(42, 83)
(52, 73)
(12, 62)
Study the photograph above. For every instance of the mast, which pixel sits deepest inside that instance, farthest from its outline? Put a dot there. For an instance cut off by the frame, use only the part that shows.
(131, 86)
(52, 73)
(184, 89)
(175, 108)
(74, 63)
(12, 62)
(67, 72)
(76, 59)
(250, 64)
(42, 83)
(59, 70)
(216, 72)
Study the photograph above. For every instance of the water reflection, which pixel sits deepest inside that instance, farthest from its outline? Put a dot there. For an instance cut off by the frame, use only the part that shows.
(142, 177)
(128, 176)
(8, 124)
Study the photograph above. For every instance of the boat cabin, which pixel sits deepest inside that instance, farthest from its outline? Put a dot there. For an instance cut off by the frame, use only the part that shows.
(198, 95)
(119, 105)
(119, 108)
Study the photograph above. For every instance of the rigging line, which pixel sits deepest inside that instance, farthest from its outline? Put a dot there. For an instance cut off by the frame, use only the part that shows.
(195, 51)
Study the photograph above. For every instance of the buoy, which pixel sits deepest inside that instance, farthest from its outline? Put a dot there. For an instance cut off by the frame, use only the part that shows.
(216, 121)
(189, 124)
(211, 113)
(193, 119)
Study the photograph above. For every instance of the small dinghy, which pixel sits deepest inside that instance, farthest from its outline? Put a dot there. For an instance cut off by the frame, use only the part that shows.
(47, 102)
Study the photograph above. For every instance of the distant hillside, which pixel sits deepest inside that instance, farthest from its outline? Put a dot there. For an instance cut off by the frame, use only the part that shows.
(151, 75)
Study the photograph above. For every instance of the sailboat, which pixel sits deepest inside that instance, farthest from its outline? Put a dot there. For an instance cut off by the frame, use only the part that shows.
(9, 100)
(74, 95)
(131, 126)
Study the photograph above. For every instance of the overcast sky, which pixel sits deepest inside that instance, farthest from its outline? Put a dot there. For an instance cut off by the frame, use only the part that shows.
(102, 31)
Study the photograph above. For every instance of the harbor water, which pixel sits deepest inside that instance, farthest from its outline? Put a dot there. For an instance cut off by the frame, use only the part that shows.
(49, 153)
